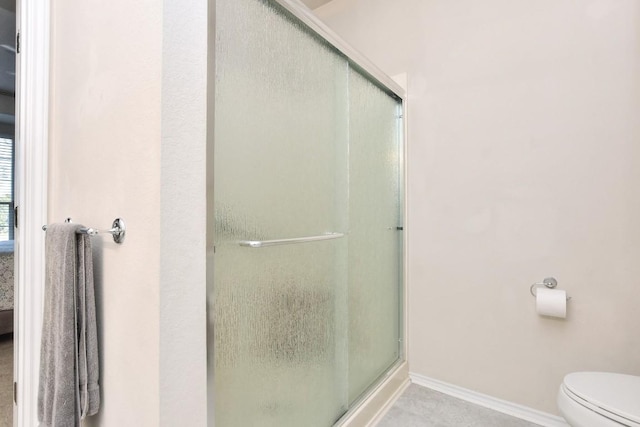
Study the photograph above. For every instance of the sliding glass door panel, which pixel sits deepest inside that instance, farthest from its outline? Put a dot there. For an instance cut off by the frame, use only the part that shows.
(279, 335)
(375, 241)
(280, 173)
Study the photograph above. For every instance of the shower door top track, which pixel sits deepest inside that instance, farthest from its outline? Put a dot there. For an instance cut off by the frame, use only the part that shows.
(352, 55)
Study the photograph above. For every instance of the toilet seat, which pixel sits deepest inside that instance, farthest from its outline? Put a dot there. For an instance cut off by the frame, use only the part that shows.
(613, 396)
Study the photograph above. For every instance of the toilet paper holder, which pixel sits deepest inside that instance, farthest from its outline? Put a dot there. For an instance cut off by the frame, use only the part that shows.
(549, 282)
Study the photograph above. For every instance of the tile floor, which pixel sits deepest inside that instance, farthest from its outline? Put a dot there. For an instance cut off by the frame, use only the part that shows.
(422, 407)
(417, 407)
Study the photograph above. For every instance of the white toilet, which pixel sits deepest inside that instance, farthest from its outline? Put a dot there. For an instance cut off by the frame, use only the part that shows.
(600, 399)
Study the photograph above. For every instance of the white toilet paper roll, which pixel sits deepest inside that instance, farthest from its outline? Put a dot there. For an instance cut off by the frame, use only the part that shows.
(551, 302)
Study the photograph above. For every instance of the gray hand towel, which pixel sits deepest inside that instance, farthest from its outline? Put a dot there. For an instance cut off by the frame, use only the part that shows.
(68, 388)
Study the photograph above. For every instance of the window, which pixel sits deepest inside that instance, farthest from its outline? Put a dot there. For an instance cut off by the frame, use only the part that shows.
(6, 189)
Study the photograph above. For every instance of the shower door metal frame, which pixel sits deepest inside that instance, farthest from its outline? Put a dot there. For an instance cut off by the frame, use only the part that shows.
(389, 385)
(354, 57)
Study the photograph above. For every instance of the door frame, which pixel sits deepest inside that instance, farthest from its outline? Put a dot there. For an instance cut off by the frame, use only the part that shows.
(32, 130)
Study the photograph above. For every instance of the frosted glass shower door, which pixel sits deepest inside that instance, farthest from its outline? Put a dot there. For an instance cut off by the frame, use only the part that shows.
(280, 173)
(375, 232)
(305, 251)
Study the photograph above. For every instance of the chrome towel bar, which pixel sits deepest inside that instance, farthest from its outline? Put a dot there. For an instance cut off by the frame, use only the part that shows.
(118, 230)
(264, 243)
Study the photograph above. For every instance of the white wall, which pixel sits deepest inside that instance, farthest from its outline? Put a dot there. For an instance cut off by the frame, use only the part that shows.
(524, 163)
(119, 112)
(183, 323)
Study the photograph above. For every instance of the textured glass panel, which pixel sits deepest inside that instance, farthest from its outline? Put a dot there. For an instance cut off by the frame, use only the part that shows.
(279, 338)
(280, 171)
(374, 241)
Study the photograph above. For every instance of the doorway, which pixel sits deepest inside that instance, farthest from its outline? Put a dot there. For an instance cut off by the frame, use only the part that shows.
(7, 162)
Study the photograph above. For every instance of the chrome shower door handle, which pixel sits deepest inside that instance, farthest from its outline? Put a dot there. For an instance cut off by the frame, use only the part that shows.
(278, 242)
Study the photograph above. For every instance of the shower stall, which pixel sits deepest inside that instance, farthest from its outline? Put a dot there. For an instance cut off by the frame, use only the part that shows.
(305, 221)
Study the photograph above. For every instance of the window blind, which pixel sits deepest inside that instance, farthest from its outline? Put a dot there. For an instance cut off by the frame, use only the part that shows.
(6, 189)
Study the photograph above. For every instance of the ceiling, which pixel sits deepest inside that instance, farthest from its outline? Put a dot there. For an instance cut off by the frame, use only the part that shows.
(7, 47)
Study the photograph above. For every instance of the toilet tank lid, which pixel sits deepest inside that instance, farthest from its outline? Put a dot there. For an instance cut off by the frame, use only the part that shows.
(615, 393)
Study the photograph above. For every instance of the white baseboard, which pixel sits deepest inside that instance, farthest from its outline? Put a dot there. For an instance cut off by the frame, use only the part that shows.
(509, 408)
